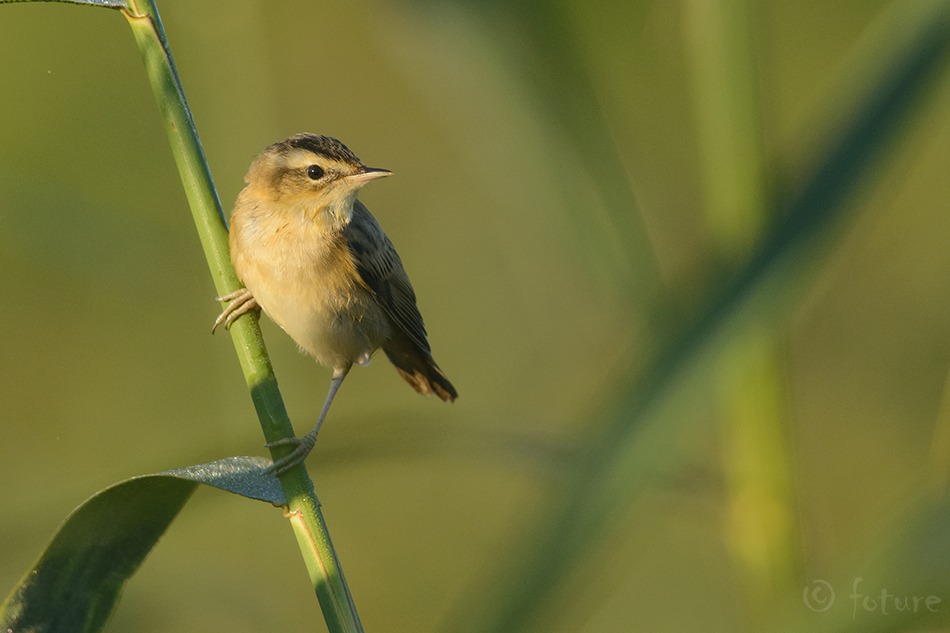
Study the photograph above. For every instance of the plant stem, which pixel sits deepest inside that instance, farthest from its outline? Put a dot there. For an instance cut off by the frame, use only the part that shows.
(303, 507)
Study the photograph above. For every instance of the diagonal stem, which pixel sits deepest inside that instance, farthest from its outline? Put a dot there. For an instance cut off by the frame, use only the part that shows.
(303, 507)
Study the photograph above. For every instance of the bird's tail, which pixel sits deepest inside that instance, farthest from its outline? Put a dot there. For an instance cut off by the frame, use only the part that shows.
(418, 368)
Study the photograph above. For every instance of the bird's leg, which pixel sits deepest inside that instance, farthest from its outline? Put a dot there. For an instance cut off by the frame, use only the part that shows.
(241, 301)
(304, 445)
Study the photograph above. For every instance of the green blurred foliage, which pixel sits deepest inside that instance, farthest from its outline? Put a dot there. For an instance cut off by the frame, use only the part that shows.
(549, 194)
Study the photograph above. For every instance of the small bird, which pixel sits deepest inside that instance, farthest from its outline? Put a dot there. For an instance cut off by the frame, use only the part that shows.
(316, 261)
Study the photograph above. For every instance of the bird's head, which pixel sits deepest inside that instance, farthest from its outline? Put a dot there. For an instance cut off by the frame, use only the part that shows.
(313, 175)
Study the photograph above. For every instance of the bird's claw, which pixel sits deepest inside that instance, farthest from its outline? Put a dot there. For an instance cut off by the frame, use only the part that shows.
(302, 447)
(241, 301)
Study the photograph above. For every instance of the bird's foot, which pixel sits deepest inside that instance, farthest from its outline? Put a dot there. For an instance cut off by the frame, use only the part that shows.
(241, 301)
(302, 448)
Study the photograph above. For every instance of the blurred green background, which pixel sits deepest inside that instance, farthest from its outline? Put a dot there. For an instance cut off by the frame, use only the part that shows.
(573, 181)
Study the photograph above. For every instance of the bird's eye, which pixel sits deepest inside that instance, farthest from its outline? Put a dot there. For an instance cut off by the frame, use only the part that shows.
(315, 172)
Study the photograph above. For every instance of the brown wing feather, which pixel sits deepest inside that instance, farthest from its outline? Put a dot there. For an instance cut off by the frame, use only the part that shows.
(382, 272)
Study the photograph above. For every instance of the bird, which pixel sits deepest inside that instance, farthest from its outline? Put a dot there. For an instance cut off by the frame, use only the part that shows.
(316, 261)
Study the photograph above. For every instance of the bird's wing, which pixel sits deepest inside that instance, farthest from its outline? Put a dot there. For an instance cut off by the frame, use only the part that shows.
(381, 270)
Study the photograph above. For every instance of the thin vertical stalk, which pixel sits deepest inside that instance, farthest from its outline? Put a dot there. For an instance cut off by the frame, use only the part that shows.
(759, 525)
(718, 36)
(303, 507)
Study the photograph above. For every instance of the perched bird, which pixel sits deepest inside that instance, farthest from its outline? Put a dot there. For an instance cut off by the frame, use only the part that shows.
(317, 262)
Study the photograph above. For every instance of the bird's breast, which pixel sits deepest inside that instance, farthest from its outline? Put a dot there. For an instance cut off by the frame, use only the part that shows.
(303, 277)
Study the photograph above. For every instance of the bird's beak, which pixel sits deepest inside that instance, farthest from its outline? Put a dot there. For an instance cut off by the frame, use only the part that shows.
(367, 174)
